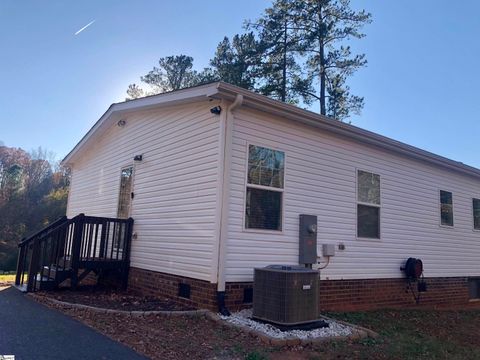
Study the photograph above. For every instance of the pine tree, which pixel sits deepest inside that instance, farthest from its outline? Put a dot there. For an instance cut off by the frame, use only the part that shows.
(323, 27)
(236, 61)
(279, 74)
(134, 92)
(173, 73)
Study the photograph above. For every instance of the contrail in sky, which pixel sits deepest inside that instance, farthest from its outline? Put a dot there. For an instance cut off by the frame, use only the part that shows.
(83, 28)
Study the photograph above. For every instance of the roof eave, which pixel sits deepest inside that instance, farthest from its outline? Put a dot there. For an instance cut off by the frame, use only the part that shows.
(263, 103)
(221, 90)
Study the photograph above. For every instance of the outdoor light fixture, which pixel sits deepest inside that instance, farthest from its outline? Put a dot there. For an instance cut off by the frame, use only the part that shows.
(216, 110)
(138, 158)
(121, 123)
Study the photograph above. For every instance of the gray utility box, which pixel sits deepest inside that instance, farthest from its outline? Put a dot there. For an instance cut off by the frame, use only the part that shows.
(307, 252)
(285, 295)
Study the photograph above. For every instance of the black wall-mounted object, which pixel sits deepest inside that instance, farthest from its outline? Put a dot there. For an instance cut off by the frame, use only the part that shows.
(307, 240)
(138, 158)
(216, 110)
(413, 268)
(222, 308)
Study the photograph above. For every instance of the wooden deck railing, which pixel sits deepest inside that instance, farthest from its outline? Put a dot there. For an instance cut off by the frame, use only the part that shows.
(59, 251)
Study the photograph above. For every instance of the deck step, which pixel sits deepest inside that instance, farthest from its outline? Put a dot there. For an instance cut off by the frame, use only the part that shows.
(65, 263)
(45, 283)
(56, 274)
(22, 288)
(48, 273)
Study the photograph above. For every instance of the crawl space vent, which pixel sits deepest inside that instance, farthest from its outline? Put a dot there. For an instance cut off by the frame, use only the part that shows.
(184, 290)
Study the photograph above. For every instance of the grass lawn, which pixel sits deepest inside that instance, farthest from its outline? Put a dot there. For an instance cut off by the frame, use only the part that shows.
(413, 334)
(404, 334)
(7, 278)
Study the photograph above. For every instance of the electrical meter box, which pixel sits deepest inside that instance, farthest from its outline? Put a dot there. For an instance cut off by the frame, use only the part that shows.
(308, 239)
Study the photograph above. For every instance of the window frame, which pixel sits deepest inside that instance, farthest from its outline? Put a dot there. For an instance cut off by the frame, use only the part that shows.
(379, 206)
(131, 188)
(117, 247)
(263, 187)
(439, 199)
(473, 214)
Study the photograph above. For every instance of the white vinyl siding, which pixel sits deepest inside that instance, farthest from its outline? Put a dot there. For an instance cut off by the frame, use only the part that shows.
(321, 180)
(174, 186)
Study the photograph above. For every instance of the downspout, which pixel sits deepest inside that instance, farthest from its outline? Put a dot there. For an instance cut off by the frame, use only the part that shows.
(225, 200)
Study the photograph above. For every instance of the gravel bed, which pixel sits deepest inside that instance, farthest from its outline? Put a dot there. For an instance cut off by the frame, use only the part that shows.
(244, 318)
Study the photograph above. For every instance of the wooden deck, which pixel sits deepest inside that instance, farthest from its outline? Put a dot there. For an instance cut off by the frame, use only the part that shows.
(69, 249)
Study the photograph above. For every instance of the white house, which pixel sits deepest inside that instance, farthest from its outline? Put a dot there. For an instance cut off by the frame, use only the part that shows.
(222, 174)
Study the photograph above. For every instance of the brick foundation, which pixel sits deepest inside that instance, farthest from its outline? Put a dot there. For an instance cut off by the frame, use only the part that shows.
(335, 295)
(369, 294)
(203, 294)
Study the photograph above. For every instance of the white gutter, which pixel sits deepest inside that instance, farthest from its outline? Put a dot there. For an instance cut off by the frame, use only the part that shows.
(274, 107)
(225, 184)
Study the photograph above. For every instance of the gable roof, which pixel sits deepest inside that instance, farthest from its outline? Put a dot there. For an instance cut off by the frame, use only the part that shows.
(222, 90)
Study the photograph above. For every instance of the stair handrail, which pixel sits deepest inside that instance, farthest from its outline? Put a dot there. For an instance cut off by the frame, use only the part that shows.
(34, 265)
(42, 232)
(29, 260)
(35, 238)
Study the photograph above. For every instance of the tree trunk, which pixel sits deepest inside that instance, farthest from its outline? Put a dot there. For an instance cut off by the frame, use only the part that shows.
(284, 65)
(323, 109)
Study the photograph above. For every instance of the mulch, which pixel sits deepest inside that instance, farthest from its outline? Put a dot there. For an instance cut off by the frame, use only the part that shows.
(115, 299)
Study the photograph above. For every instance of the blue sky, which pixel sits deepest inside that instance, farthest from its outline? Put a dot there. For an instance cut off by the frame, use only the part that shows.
(420, 86)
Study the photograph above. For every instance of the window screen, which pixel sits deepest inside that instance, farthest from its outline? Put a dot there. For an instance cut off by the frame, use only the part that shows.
(264, 193)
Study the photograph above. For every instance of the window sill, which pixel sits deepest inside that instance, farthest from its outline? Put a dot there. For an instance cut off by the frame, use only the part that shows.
(260, 231)
(447, 226)
(368, 239)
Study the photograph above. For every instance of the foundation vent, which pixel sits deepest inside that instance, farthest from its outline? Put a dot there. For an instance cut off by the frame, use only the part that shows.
(184, 290)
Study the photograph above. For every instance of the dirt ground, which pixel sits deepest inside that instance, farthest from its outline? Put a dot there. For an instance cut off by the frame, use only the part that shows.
(404, 334)
(114, 299)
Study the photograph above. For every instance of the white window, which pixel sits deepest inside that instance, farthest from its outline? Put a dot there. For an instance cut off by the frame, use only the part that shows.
(264, 193)
(368, 205)
(446, 208)
(476, 214)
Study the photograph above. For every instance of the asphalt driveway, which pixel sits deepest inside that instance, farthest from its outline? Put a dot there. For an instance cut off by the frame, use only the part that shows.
(30, 330)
